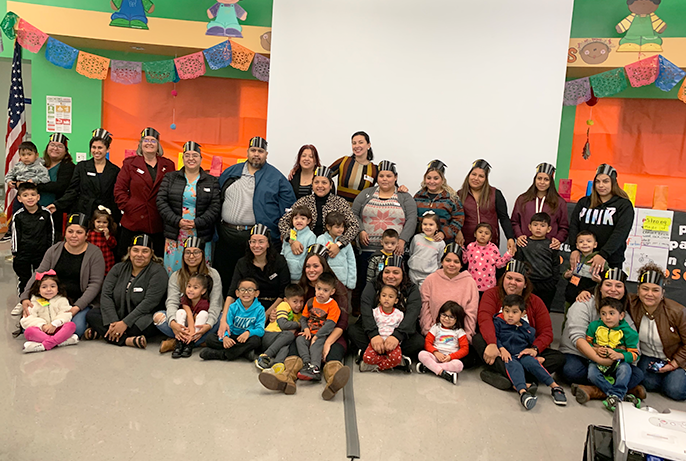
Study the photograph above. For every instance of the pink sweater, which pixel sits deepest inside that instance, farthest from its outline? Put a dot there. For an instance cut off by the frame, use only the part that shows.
(482, 263)
(438, 288)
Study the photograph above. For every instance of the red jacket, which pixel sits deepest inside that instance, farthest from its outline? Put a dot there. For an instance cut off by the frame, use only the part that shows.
(136, 194)
(536, 313)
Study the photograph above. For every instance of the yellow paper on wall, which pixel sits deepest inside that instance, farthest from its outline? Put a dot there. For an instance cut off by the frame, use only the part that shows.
(631, 189)
(657, 224)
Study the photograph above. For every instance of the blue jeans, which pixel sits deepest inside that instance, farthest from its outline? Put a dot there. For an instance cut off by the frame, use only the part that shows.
(576, 371)
(515, 370)
(80, 320)
(672, 384)
(622, 377)
(167, 331)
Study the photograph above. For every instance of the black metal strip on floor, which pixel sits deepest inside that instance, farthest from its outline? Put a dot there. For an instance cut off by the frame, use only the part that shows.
(352, 436)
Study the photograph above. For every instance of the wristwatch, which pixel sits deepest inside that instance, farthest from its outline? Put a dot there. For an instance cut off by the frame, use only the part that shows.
(535, 348)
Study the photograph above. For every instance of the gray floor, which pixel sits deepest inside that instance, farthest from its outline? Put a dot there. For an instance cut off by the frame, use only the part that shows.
(100, 402)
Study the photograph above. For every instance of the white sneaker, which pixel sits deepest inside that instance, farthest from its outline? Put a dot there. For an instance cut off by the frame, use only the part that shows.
(17, 310)
(31, 346)
(73, 339)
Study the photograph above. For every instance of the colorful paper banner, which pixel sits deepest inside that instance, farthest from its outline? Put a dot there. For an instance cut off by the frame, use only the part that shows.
(609, 83)
(577, 92)
(643, 72)
(126, 72)
(219, 56)
(260, 68)
(92, 66)
(670, 75)
(60, 54)
(30, 37)
(190, 66)
(159, 71)
(241, 57)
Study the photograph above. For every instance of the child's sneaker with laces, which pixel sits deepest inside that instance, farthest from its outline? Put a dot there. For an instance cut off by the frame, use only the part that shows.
(310, 372)
(611, 402)
(263, 362)
(419, 367)
(633, 399)
(449, 376)
(405, 364)
(559, 396)
(528, 401)
(364, 366)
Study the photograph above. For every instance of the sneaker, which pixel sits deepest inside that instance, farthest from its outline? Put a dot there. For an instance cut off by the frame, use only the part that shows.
(364, 366)
(633, 399)
(309, 372)
(212, 354)
(17, 310)
(358, 356)
(611, 402)
(449, 376)
(496, 380)
(72, 340)
(178, 349)
(559, 396)
(528, 400)
(7, 237)
(31, 346)
(419, 367)
(263, 362)
(405, 364)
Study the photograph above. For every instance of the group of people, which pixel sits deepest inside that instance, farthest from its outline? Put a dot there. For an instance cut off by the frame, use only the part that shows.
(291, 272)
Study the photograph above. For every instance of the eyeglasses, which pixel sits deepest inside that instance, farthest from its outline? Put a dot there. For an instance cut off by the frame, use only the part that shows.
(56, 145)
(447, 316)
(191, 155)
(149, 141)
(194, 252)
(247, 290)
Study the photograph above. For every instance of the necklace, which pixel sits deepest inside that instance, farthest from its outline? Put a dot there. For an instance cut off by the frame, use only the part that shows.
(650, 315)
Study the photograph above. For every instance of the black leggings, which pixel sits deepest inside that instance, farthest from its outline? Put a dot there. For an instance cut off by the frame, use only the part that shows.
(94, 319)
(237, 350)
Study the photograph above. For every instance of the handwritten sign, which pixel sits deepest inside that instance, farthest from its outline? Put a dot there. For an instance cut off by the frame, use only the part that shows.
(653, 223)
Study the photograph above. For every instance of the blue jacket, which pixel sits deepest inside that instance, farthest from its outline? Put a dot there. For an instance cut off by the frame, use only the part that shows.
(241, 319)
(296, 262)
(343, 265)
(512, 337)
(273, 194)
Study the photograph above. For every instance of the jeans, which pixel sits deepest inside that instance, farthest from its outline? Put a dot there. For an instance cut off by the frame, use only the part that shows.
(515, 371)
(167, 331)
(671, 384)
(80, 321)
(575, 371)
(622, 377)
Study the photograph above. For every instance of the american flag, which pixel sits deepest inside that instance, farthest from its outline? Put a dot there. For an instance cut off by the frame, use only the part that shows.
(16, 123)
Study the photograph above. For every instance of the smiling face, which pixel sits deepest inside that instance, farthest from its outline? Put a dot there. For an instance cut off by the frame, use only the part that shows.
(258, 245)
(247, 292)
(149, 145)
(514, 283)
(56, 152)
(586, 244)
(610, 316)
(192, 257)
(313, 268)
(192, 160)
(650, 294)
(429, 227)
(300, 222)
(603, 185)
(297, 303)
(48, 288)
(392, 276)
(307, 159)
(612, 289)
(360, 147)
(451, 265)
(477, 178)
(594, 53)
(140, 256)
(29, 198)
(194, 289)
(542, 182)
(321, 186)
(434, 182)
(98, 150)
(75, 236)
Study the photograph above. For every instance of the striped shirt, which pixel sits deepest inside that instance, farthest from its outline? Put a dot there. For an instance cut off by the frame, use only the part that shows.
(237, 207)
(353, 177)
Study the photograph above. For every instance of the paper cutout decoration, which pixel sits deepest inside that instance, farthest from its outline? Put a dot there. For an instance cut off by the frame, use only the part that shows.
(609, 83)
(159, 71)
(577, 91)
(641, 27)
(218, 56)
(60, 54)
(565, 189)
(131, 13)
(241, 57)
(126, 72)
(682, 92)
(129, 153)
(595, 50)
(225, 15)
(660, 196)
(217, 166)
(30, 37)
(190, 66)
(92, 66)
(260, 68)
(643, 72)
(631, 190)
(180, 164)
(670, 75)
(586, 152)
(266, 40)
(7, 25)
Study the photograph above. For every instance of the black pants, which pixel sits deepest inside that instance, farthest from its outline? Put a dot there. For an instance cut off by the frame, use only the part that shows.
(230, 247)
(237, 350)
(24, 265)
(94, 319)
(545, 289)
(554, 359)
(126, 236)
(411, 346)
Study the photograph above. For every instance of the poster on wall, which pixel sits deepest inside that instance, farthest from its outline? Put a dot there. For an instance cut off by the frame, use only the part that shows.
(58, 114)
(648, 240)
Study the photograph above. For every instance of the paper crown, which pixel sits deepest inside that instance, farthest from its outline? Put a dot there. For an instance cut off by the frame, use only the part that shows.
(436, 165)
(516, 266)
(59, 137)
(604, 168)
(546, 168)
(615, 273)
(103, 134)
(192, 146)
(79, 219)
(142, 240)
(260, 229)
(194, 242)
(483, 164)
(387, 165)
(317, 249)
(658, 278)
(323, 171)
(150, 132)
(258, 142)
(393, 261)
(453, 248)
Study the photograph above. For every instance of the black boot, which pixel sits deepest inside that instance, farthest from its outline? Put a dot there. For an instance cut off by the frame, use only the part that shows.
(178, 350)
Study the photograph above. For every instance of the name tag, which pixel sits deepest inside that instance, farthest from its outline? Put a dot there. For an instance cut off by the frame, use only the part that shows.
(206, 189)
(273, 276)
(381, 266)
(368, 178)
(138, 170)
(90, 173)
(138, 289)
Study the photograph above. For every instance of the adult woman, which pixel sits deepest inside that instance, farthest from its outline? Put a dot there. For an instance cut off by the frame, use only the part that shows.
(133, 290)
(365, 331)
(165, 321)
(578, 353)
(60, 167)
(136, 192)
(661, 326)
(449, 284)
(356, 172)
(514, 282)
(189, 203)
(541, 197)
(302, 174)
(382, 207)
(92, 183)
(335, 374)
(609, 214)
(80, 267)
(484, 203)
(321, 203)
(437, 196)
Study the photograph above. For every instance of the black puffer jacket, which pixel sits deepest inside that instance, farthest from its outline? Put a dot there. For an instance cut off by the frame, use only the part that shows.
(207, 205)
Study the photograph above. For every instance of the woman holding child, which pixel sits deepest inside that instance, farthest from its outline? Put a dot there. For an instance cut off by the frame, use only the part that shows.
(435, 195)
(60, 167)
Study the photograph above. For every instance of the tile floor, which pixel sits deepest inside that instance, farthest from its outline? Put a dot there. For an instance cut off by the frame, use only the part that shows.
(96, 401)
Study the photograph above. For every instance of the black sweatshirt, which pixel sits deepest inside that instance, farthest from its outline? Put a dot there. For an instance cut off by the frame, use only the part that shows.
(32, 233)
(544, 261)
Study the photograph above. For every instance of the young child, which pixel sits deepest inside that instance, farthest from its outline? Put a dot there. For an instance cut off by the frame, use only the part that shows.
(194, 311)
(613, 338)
(301, 217)
(245, 319)
(101, 231)
(425, 252)
(279, 334)
(343, 264)
(387, 317)
(33, 232)
(317, 322)
(515, 338)
(389, 242)
(484, 257)
(445, 344)
(30, 168)
(543, 260)
(49, 321)
(581, 277)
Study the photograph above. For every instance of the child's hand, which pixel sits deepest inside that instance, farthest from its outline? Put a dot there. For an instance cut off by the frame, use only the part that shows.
(306, 333)
(243, 337)
(45, 327)
(106, 233)
(12, 184)
(51, 329)
(614, 355)
(191, 326)
(297, 247)
(505, 355)
(439, 356)
(529, 351)
(30, 180)
(568, 274)
(228, 342)
(596, 278)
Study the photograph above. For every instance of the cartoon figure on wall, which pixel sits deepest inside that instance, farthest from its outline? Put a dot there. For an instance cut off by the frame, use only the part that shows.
(641, 27)
(595, 50)
(225, 15)
(131, 13)
(266, 40)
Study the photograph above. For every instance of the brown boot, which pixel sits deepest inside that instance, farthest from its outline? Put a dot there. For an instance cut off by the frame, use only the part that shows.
(283, 381)
(167, 345)
(585, 393)
(336, 376)
(638, 391)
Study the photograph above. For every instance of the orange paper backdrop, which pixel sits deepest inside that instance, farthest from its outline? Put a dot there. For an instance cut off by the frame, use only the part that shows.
(642, 138)
(221, 114)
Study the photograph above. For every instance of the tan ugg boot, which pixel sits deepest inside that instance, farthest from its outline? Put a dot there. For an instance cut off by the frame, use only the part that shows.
(585, 393)
(167, 345)
(283, 381)
(336, 376)
(638, 391)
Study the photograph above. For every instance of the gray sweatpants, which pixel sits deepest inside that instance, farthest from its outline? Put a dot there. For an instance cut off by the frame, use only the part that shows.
(310, 353)
(275, 344)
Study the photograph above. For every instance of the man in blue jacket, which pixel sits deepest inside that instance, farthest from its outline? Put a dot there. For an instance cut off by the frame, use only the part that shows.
(252, 192)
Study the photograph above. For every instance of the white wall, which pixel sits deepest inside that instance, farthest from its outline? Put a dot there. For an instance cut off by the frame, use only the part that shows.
(451, 79)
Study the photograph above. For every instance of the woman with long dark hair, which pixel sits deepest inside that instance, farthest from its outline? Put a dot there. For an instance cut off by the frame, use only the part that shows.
(357, 171)
(302, 174)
